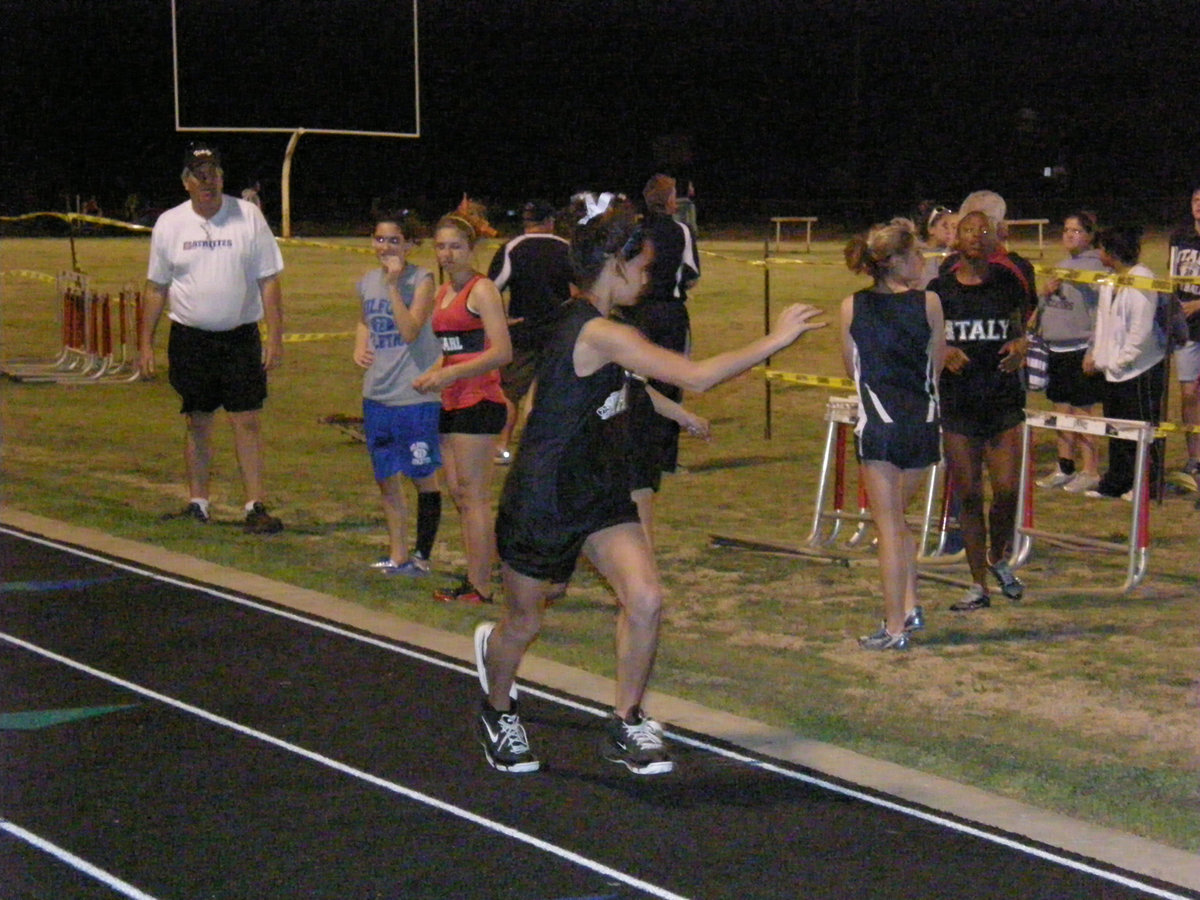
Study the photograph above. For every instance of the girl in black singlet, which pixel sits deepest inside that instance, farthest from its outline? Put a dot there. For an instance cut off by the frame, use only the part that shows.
(568, 490)
(983, 402)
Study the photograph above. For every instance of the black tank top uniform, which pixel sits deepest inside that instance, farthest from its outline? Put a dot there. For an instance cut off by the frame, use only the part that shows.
(981, 401)
(897, 388)
(571, 476)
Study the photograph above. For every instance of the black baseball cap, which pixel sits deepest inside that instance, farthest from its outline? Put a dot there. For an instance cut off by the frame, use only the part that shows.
(200, 153)
(537, 211)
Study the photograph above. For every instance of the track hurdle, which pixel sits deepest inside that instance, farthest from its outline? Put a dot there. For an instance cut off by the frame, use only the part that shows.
(88, 353)
(829, 507)
(1137, 547)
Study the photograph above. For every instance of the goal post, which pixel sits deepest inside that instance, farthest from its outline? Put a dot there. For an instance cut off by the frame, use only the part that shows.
(280, 66)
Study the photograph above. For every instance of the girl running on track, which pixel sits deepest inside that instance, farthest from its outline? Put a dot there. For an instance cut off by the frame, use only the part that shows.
(569, 487)
(893, 345)
(983, 401)
(469, 319)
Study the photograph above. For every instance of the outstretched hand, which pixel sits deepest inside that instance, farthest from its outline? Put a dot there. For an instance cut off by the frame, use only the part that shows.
(797, 319)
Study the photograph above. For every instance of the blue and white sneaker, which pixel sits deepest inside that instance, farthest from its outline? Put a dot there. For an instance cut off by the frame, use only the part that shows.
(915, 620)
(411, 568)
(884, 640)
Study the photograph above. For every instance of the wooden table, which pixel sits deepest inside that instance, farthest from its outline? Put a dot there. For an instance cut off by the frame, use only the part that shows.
(1040, 223)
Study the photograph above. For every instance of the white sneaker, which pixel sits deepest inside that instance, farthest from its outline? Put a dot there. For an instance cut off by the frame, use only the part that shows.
(1057, 478)
(1081, 483)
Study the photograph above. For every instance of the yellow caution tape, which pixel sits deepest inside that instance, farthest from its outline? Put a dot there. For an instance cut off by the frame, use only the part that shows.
(1141, 282)
(30, 274)
(829, 381)
(316, 336)
(299, 242)
(77, 217)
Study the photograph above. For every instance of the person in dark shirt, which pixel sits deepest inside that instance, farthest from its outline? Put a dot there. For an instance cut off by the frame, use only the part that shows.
(662, 315)
(535, 269)
(983, 401)
(567, 492)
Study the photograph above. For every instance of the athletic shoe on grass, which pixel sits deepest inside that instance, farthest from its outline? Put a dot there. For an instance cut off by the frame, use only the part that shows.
(504, 741)
(483, 632)
(915, 620)
(637, 745)
(1057, 478)
(884, 640)
(259, 521)
(464, 592)
(974, 599)
(410, 568)
(1081, 483)
(193, 511)
(1010, 585)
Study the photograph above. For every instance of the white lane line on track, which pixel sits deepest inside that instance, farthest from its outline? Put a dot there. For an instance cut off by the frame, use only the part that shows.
(345, 769)
(783, 771)
(74, 861)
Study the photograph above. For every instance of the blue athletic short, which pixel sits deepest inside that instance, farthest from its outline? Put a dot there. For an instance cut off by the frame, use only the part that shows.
(402, 439)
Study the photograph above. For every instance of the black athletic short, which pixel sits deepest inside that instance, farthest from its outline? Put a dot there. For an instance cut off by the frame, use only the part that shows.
(484, 417)
(516, 378)
(1068, 384)
(548, 549)
(214, 369)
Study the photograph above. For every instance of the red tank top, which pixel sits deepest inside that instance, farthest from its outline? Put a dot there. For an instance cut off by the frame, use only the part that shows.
(462, 337)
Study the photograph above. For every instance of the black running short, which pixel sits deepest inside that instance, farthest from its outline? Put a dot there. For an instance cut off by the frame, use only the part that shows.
(215, 369)
(484, 417)
(1068, 384)
(549, 549)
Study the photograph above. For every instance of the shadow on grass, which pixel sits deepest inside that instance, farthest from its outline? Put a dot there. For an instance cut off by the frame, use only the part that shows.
(737, 462)
(953, 637)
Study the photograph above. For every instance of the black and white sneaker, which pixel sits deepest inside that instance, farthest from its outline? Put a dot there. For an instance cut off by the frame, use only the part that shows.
(259, 521)
(915, 620)
(637, 745)
(504, 741)
(1010, 585)
(975, 599)
(483, 631)
(884, 640)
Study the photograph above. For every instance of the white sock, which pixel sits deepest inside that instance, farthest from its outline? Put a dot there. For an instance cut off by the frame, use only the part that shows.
(250, 505)
(200, 502)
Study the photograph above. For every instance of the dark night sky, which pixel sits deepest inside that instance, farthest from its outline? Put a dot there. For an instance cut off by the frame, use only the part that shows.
(786, 104)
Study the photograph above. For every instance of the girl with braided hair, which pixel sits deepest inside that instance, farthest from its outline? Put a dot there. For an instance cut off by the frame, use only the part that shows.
(568, 490)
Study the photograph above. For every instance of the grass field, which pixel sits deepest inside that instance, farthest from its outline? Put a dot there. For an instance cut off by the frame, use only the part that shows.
(1085, 703)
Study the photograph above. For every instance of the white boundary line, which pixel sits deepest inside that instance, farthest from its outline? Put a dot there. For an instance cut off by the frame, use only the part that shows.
(74, 861)
(345, 769)
(774, 768)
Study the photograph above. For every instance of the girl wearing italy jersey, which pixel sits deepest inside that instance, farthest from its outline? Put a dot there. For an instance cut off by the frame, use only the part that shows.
(983, 401)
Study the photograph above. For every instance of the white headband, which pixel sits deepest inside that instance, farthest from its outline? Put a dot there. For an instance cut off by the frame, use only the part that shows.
(595, 205)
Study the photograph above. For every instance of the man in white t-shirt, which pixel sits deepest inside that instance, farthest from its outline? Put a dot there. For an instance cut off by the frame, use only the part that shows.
(215, 265)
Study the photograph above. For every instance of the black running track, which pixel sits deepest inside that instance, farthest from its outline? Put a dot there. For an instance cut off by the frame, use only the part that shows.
(165, 739)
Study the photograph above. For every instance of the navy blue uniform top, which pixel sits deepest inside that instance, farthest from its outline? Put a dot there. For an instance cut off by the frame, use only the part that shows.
(980, 320)
(573, 461)
(896, 381)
